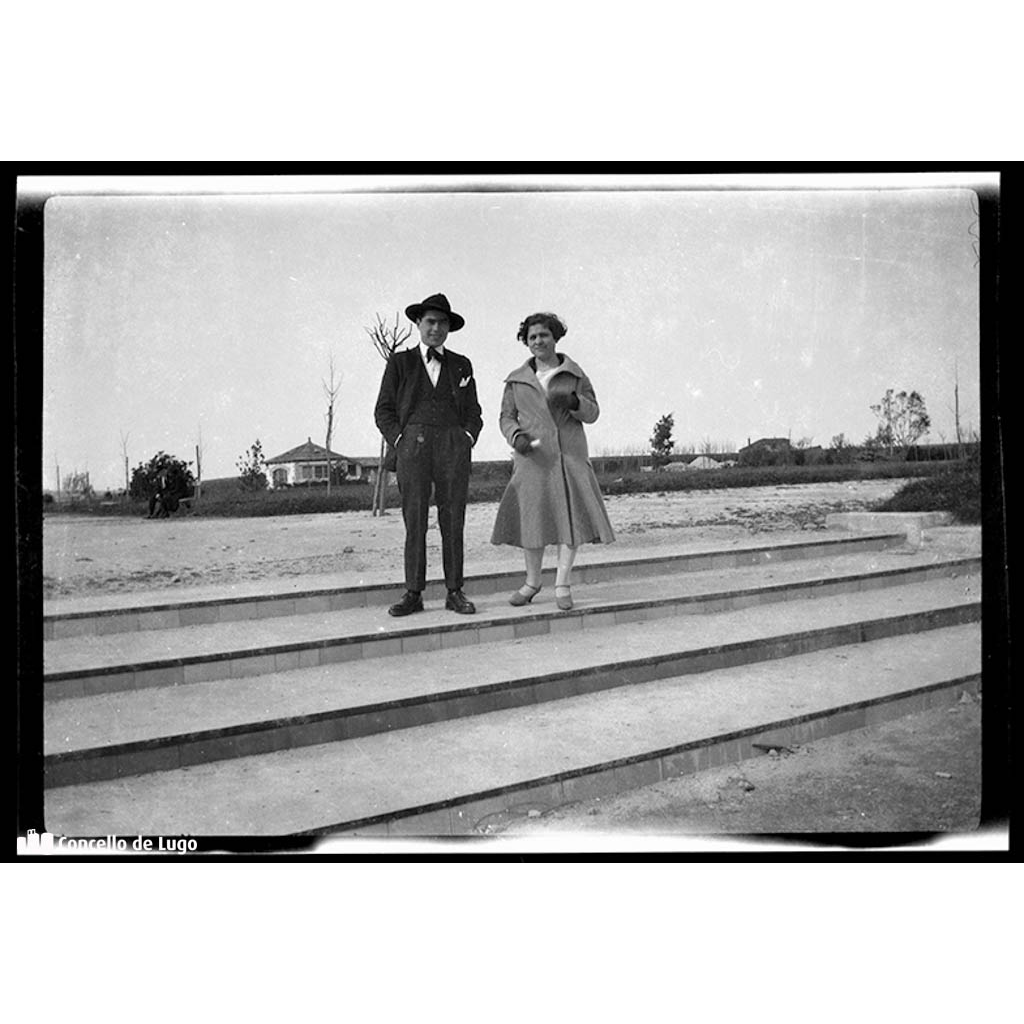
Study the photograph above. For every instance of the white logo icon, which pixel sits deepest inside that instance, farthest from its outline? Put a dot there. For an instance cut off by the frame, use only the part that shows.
(35, 843)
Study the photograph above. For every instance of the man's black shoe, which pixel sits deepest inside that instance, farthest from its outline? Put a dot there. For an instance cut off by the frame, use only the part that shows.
(458, 602)
(411, 602)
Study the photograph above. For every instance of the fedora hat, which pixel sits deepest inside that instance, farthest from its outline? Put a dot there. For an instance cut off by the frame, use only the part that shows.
(440, 303)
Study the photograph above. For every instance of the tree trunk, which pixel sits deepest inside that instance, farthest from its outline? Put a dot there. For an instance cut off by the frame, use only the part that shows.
(956, 402)
(331, 391)
(330, 424)
(380, 485)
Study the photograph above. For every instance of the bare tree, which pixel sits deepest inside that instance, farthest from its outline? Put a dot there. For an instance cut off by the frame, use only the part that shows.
(386, 340)
(956, 411)
(199, 462)
(949, 451)
(331, 388)
(956, 403)
(77, 484)
(124, 452)
(709, 446)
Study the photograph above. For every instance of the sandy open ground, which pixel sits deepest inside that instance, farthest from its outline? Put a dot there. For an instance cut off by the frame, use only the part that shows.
(93, 555)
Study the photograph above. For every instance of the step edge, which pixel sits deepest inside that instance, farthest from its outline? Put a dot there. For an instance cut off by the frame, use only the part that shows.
(935, 568)
(929, 616)
(967, 680)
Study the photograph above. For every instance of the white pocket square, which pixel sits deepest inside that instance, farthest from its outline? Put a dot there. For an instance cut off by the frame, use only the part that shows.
(464, 383)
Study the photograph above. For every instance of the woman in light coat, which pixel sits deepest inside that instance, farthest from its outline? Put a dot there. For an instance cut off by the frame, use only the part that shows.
(553, 496)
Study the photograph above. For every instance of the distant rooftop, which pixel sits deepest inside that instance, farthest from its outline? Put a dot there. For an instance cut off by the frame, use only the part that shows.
(308, 452)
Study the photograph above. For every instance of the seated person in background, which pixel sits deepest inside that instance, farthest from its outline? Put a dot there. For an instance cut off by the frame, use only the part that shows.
(163, 501)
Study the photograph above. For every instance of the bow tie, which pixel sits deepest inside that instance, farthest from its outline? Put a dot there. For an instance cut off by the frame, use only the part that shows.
(432, 353)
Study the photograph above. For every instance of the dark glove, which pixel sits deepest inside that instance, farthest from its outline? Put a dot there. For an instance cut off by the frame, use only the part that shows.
(521, 442)
(564, 400)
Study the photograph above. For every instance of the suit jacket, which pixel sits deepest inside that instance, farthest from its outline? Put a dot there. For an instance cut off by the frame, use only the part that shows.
(405, 380)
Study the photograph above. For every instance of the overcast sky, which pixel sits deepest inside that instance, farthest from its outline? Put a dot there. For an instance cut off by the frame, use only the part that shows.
(744, 313)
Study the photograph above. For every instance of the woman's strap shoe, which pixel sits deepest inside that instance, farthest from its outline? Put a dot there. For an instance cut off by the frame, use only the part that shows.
(524, 595)
(563, 599)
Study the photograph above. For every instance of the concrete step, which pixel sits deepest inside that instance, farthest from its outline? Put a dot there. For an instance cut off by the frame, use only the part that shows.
(168, 609)
(89, 665)
(159, 729)
(445, 778)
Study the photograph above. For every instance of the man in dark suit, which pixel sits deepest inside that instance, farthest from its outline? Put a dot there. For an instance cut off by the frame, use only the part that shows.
(428, 412)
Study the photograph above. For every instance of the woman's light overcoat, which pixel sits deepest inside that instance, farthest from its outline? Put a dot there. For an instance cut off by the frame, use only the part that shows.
(553, 496)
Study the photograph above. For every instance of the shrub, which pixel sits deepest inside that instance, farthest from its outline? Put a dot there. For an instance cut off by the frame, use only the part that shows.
(177, 472)
(955, 488)
(661, 440)
(252, 467)
(765, 455)
(761, 476)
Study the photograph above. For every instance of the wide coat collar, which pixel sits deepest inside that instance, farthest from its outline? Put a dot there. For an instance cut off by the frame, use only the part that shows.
(524, 374)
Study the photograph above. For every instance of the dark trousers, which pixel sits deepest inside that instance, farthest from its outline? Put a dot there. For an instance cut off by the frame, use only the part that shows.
(439, 457)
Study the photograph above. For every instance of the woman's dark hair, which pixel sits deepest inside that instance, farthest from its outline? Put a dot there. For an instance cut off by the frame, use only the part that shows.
(553, 323)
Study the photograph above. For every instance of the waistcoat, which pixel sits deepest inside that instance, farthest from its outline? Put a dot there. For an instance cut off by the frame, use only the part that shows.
(436, 403)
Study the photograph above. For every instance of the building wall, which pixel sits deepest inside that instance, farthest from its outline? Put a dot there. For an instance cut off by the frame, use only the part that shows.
(299, 473)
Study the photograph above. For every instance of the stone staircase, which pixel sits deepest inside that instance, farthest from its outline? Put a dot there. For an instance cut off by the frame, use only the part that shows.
(286, 711)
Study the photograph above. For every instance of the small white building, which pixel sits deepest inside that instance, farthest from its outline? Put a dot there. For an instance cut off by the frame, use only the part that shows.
(307, 465)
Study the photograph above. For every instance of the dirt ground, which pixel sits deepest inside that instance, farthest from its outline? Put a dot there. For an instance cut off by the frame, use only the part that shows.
(920, 773)
(91, 555)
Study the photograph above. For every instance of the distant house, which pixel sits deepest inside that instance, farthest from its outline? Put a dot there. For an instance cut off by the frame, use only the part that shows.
(371, 467)
(307, 465)
(768, 451)
(767, 444)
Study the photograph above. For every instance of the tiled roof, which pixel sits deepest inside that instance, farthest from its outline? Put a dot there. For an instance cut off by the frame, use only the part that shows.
(307, 452)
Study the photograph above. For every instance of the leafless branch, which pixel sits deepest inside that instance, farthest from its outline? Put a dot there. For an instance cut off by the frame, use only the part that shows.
(387, 339)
